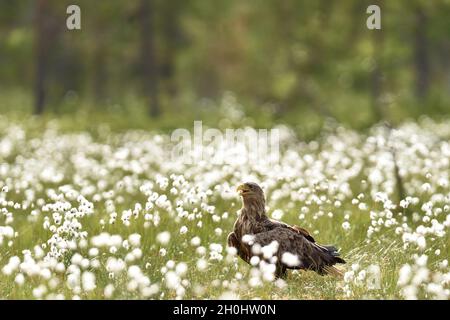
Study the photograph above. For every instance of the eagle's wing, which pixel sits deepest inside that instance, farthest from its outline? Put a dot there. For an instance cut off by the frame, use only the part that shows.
(242, 249)
(304, 232)
(271, 224)
(295, 251)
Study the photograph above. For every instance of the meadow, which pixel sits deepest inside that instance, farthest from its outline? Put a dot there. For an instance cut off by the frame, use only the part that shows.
(105, 214)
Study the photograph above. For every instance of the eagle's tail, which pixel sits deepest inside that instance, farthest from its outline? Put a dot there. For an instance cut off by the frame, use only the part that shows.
(329, 268)
(333, 251)
(333, 271)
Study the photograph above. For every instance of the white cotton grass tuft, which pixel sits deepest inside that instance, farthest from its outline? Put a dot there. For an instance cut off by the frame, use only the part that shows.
(270, 250)
(163, 237)
(248, 239)
(277, 214)
(88, 281)
(135, 239)
(109, 290)
(254, 261)
(290, 259)
(115, 265)
(181, 268)
(202, 264)
(19, 279)
(201, 251)
(346, 225)
(172, 280)
(92, 238)
(404, 275)
(195, 241)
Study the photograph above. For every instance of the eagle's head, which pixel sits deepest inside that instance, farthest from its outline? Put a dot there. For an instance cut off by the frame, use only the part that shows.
(252, 196)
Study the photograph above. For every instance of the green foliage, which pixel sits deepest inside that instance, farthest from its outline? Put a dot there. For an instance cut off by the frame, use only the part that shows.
(298, 57)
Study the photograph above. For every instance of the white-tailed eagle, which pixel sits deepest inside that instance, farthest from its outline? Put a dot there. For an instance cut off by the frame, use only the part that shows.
(293, 247)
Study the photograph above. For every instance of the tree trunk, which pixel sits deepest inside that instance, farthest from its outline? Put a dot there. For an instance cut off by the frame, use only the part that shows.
(99, 77)
(421, 54)
(172, 36)
(40, 55)
(148, 59)
(377, 76)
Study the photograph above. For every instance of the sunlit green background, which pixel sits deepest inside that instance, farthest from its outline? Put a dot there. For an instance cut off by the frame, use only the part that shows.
(162, 64)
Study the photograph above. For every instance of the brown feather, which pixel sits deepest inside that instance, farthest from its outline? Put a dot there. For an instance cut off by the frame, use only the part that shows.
(304, 232)
(334, 271)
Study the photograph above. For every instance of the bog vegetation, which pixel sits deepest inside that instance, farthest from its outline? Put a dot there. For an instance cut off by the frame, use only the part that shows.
(104, 214)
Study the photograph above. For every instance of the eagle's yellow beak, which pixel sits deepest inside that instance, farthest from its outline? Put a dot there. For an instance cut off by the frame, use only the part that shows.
(242, 189)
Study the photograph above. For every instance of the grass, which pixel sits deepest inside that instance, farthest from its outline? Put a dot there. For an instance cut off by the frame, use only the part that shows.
(98, 169)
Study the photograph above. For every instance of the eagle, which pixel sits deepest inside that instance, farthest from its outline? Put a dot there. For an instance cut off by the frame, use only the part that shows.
(291, 247)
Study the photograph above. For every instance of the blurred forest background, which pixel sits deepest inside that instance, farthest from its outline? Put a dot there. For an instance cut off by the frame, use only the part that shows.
(164, 63)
